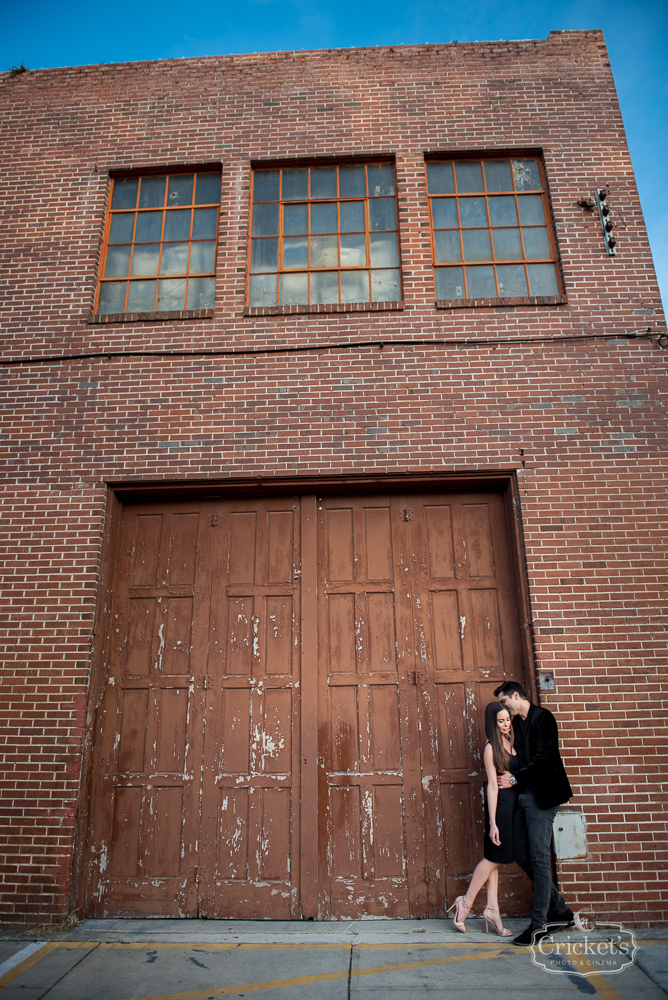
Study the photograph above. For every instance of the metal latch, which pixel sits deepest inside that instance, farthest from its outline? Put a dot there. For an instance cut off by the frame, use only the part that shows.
(416, 677)
(407, 514)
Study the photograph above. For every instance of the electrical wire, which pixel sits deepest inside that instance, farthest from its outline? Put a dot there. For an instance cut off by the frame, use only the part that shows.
(662, 340)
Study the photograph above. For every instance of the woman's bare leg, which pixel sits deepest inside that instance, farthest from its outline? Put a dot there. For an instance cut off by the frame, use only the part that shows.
(493, 889)
(485, 871)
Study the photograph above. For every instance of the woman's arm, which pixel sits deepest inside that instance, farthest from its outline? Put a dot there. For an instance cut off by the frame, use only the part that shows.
(492, 794)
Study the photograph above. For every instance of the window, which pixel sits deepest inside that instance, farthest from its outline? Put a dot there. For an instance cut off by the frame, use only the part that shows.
(324, 235)
(491, 238)
(160, 244)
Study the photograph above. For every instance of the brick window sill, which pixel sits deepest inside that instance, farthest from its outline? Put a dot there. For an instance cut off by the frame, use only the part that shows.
(151, 317)
(324, 308)
(527, 300)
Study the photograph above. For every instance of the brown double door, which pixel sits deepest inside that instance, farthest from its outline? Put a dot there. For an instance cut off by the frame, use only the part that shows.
(292, 720)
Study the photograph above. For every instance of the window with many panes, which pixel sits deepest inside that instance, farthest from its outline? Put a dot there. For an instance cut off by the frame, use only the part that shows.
(325, 234)
(160, 244)
(490, 229)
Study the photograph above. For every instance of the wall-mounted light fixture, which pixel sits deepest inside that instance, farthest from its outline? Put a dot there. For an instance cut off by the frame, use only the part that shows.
(607, 225)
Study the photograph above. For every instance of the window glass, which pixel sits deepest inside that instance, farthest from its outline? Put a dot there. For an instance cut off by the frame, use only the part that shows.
(266, 185)
(325, 286)
(125, 193)
(439, 178)
(295, 251)
(447, 246)
(154, 230)
(141, 296)
(497, 175)
(323, 182)
(145, 259)
(469, 176)
(263, 290)
(352, 216)
(492, 215)
(265, 220)
(323, 217)
(295, 219)
(353, 250)
(180, 189)
(118, 262)
(207, 193)
(325, 234)
(444, 213)
(201, 293)
(294, 185)
(171, 294)
(149, 226)
(177, 225)
(122, 227)
(152, 192)
(352, 182)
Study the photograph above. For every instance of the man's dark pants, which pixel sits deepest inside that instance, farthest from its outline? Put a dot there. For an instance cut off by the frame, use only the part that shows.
(532, 836)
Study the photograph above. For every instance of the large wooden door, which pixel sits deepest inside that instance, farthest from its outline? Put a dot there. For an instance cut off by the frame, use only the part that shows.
(293, 714)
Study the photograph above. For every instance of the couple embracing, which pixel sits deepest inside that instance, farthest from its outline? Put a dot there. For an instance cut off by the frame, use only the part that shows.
(526, 783)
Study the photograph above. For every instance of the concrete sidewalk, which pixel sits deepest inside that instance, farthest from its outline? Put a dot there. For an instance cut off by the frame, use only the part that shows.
(356, 960)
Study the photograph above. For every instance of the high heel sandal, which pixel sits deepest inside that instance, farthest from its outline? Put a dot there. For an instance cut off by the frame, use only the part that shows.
(459, 924)
(488, 918)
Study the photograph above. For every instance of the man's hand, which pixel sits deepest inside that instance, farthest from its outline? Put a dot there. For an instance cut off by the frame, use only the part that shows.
(503, 780)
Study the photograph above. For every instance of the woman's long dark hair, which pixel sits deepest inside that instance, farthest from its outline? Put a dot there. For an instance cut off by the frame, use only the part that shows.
(499, 752)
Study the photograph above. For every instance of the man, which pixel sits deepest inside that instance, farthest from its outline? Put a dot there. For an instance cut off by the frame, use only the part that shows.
(543, 786)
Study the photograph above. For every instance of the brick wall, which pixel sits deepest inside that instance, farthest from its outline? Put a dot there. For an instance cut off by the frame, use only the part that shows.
(581, 421)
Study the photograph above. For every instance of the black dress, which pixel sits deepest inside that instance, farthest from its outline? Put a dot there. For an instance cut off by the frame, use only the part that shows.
(505, 807)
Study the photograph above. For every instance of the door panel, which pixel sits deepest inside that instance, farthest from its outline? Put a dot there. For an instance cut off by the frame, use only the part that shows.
(466, 645)
(249, 864)
(369, 787)
(146, 817)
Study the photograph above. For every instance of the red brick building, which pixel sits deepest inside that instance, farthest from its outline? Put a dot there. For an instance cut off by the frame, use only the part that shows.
(325, 408)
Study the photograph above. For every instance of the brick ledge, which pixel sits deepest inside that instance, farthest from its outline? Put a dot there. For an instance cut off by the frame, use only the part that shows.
(320, 308)
(152, 317)
(526, 300)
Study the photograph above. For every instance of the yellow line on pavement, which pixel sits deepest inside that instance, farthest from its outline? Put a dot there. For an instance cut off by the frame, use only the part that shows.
(322, 977)
(297, 946)
(600, 983)
(19, 969)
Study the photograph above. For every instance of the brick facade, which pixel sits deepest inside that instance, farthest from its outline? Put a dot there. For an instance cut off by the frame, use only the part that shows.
(580, 420)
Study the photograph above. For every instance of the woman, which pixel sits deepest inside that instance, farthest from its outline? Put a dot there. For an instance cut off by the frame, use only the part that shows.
(498, 756)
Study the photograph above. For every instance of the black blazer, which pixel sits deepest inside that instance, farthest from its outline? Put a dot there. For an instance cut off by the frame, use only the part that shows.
(544, 772)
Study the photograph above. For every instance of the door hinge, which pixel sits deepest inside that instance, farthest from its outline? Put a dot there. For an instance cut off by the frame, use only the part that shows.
(416, 677)
(407, 514)
(215, 519)
(429, 873)
(203, 682)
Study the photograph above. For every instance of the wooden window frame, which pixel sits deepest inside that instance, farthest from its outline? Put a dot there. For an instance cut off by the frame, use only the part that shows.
(127, 315)
(321, 307)
(560, 297)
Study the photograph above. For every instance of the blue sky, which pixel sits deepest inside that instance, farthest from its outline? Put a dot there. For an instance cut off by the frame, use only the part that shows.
(68, 33)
